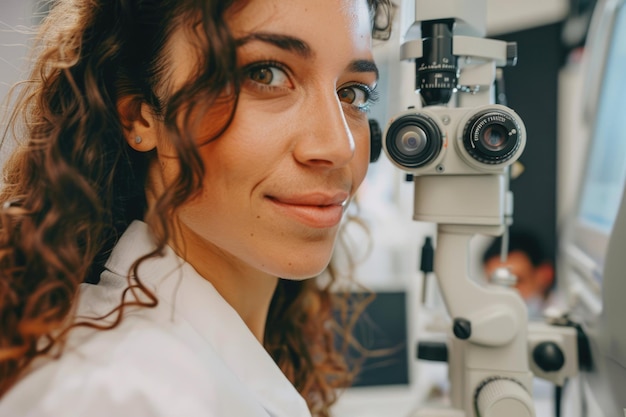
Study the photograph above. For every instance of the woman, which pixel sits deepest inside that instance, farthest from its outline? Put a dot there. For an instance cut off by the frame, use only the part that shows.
(182, 155)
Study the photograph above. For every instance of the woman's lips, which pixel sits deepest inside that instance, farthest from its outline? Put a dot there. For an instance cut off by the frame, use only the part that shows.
(314, 210)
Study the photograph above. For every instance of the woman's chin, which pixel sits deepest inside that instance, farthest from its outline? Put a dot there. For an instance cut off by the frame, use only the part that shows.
(301, 272)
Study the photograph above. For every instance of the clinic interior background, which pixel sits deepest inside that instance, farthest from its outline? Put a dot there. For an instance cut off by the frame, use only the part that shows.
(543, 89)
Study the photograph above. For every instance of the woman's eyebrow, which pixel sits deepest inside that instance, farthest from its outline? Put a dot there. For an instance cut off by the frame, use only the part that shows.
(301, 48)
(363, 65)
(285, 42)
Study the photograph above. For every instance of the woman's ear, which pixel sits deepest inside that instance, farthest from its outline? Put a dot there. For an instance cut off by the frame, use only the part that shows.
(139, 123)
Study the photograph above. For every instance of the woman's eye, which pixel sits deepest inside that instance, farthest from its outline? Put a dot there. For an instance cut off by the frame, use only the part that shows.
(357, 95)
(268, 75)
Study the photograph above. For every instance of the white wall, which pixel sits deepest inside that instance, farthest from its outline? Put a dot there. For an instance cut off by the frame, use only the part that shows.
(572, 140)
(505, 16)
(15, 17)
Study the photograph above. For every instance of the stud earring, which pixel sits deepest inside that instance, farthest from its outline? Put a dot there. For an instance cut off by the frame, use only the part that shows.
(137, 140)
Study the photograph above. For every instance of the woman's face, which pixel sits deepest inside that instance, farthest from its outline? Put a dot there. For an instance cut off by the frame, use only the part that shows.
(278, 180)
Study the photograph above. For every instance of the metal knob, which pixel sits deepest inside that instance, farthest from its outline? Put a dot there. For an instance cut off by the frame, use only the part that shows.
(504, 398)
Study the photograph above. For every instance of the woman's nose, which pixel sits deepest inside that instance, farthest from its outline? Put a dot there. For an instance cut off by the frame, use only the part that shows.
(325, 139)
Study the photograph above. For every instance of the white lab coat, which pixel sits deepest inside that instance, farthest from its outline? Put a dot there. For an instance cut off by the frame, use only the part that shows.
(191, 356)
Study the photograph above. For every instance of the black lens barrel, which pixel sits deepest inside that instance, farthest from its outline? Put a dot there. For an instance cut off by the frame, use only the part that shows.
(436, 71)
(413, 140)
(492, 137)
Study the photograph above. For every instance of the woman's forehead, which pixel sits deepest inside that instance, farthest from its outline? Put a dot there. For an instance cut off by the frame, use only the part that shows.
(316, 21)
(332, 30)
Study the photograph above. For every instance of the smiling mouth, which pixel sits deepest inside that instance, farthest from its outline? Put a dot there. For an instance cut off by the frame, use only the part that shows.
(310, 213)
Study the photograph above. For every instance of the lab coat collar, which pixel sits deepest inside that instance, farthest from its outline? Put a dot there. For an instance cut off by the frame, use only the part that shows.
(194, 298)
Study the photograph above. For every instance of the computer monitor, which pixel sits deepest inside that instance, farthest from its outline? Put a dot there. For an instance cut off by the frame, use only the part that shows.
(605, 171)
(594, 242)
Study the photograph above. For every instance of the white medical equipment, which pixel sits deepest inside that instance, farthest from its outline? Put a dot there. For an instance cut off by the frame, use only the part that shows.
(459, 147)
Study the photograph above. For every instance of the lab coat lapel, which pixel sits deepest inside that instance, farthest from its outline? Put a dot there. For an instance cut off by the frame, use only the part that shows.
(197, 301)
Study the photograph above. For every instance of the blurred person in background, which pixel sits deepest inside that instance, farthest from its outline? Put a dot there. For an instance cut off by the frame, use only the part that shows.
(528, 261)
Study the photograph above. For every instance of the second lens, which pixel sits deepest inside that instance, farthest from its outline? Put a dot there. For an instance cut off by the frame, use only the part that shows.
(413, 140)
(492, 136)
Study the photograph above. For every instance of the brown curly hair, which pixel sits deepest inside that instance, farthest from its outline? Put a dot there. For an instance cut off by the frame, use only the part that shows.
(73, 185)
